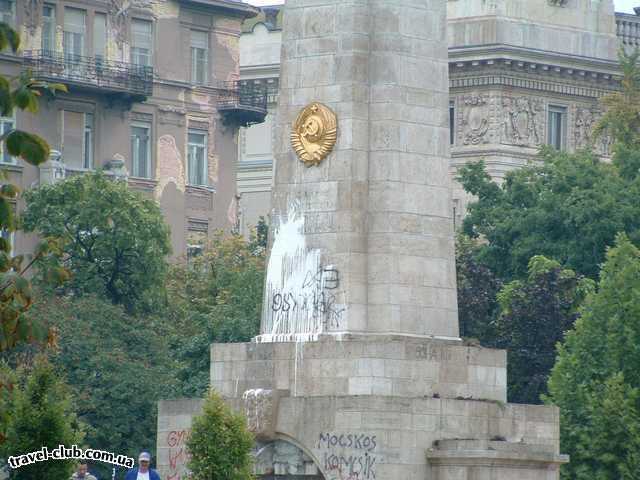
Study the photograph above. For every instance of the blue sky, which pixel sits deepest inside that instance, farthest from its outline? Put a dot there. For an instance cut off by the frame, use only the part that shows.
(621, 5)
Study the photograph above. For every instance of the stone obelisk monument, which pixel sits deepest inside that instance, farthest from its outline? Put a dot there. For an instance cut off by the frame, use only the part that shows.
(372, 219)
(359, 373)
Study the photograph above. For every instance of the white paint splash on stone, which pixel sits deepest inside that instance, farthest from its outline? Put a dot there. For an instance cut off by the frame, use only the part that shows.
(294, 287)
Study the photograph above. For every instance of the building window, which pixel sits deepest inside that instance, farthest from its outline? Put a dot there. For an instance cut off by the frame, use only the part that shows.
(197, 157)
(199, 57)
(557, 127)
(74, 33)
(87, 143)
(48, 29)
(452, 123)
(77, 139)
(6, 125)
(141, 150)
(7, 12)
(194, 251)
(99, 35)
(141, 42)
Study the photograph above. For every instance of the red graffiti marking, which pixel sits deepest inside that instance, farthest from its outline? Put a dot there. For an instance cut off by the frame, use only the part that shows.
(176, 438)
(178, 454)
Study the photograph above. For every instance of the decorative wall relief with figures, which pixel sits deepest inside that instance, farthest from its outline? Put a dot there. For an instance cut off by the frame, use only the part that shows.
(522, 121)
(476, 119)
(585, 119)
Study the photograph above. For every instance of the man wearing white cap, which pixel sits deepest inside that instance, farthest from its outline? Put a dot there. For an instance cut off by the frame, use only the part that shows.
(143, 472)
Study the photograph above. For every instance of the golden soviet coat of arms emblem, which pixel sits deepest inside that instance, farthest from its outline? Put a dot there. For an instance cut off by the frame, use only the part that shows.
(314, 133)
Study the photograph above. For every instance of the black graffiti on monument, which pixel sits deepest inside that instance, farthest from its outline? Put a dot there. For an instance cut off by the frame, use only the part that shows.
(348, 456)
(315, 298)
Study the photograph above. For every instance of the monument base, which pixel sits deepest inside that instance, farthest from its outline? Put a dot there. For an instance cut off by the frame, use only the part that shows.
(385, 408)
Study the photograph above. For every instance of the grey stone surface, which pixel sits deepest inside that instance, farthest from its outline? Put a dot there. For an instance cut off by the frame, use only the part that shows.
(174, 427)
(361, 365)
(495, 459)
(369, 209)
(339, 402)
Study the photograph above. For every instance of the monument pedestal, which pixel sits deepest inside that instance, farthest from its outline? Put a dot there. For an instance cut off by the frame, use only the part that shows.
(386, 408)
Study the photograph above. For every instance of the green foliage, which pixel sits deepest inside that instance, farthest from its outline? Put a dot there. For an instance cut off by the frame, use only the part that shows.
(596, 379)
(15, 291)
(216, 297)
(220, 444)
(261, 235)
(41, 414)
(477, 291)
(8, 381)
(114, 241)
(118, 366)
(534, 315)
(621, 119)
(569, 208)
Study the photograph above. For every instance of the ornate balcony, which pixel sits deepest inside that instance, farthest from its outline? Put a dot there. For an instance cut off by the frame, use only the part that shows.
(242, 103)
(132, 83)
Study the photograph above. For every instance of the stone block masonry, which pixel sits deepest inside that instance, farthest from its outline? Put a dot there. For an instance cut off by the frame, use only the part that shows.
(376, 213)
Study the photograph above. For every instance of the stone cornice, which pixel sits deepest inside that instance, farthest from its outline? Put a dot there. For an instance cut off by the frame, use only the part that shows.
(531, 76)
(552, 60)
(501, 80)
(504, 65)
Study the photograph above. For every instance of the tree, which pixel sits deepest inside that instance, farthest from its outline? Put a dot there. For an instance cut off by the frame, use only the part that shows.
(7, 385)
(220, 444)
(15, 290)
(117, 365)
(41, 416)
(621, 120)
(534, 315)
(216, 297)
(477, 290)
(596, 379)
(114, 241)
(568, 208)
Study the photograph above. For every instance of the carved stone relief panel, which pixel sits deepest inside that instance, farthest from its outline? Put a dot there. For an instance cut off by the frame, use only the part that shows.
(475, 119)
(261, 410)
(522, 121)
(282, 458)
(586, 118)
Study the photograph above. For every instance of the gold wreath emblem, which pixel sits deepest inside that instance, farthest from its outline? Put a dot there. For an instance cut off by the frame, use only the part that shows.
(314, 133)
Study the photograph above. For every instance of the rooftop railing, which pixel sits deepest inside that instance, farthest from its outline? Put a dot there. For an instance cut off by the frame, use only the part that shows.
(628, 30)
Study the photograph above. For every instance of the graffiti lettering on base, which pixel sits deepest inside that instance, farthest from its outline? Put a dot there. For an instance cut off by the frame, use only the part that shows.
(348, 456)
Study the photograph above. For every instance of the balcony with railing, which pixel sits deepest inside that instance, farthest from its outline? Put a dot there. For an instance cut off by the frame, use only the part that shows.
(628, 30)
(133, 83)
(242, 103)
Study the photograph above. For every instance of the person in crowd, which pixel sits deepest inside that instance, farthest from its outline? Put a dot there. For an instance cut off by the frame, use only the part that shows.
(82, 472)
(143, 472)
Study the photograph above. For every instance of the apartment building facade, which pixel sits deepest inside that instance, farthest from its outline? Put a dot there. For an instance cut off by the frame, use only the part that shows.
(153, 99)
(523, 73)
